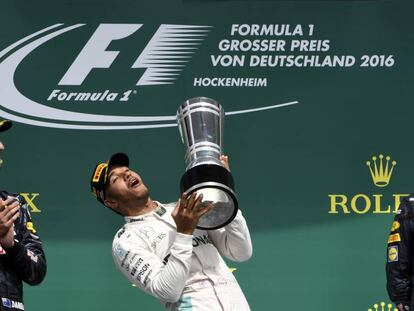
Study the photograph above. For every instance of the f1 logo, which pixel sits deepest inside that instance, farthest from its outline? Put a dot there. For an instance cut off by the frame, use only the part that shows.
(94, 54)
(164, 56)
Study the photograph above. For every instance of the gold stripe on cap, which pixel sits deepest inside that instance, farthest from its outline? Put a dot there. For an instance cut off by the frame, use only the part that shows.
(98, 172)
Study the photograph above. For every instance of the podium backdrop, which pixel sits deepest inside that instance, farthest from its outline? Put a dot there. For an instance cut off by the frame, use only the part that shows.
(313, 90)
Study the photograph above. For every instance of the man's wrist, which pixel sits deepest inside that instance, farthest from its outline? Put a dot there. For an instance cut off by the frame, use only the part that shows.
(8, 245)
(188, 231)
(7, 242)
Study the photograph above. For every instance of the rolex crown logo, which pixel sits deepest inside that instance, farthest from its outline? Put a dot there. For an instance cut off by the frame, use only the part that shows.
(384, 307)
(381, 174)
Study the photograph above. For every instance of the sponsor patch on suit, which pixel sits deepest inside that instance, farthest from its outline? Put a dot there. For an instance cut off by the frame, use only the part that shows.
(393, 253)
(394, 238)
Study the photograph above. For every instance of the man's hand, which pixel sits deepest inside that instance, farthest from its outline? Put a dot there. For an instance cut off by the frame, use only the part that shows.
(225, 161)
(188, 211)
(9, 211)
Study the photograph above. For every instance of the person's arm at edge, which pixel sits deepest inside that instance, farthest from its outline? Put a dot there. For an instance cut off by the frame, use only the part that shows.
(164, 280)
(26, 256)
(399, 267)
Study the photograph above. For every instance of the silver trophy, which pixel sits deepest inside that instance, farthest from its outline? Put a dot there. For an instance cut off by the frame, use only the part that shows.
(200, 121)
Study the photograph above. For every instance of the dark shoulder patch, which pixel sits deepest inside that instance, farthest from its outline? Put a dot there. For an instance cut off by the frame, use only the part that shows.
(160, 210)
(121, 232)
(406, 208)
(165, 260)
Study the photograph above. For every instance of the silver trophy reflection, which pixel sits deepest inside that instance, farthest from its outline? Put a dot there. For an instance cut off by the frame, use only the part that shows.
(200, 121)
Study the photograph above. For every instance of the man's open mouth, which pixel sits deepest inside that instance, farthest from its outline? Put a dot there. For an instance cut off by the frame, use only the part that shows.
(134, 182)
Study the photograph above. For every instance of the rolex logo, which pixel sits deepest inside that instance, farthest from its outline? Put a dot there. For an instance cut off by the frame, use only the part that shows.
(381, 173)
(384, 307)
(381, 169)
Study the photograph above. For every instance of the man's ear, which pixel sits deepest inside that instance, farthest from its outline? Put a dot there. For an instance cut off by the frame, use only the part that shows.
(111, 203)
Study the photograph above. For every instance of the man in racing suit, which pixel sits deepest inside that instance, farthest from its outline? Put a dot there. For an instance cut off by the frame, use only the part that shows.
(400, 256)
(21, 254)
(160, 250)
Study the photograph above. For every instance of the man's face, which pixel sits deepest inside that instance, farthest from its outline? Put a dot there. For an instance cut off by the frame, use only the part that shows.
(125, 187)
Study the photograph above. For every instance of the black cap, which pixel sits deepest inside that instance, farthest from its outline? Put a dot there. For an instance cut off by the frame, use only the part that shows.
(100, 174)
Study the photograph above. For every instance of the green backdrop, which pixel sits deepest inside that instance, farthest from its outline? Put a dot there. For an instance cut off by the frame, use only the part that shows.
(292, 164)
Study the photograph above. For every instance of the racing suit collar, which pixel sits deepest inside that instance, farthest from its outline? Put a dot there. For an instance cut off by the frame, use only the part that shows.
(162, 212)
(159, 211)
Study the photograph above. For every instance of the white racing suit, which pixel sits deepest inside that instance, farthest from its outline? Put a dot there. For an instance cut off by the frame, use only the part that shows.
(185, 272)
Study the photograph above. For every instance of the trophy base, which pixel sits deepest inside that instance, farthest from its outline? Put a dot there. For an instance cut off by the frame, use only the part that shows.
(217, 186)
